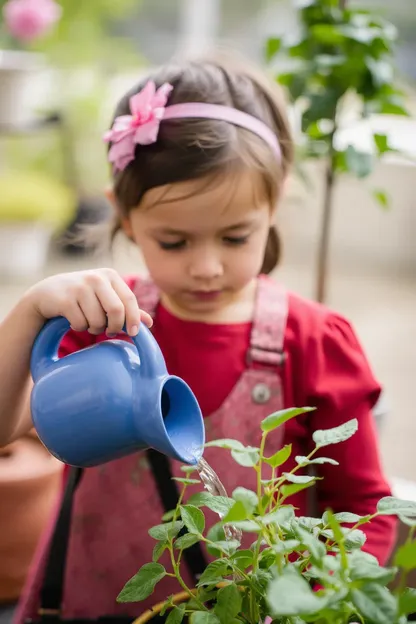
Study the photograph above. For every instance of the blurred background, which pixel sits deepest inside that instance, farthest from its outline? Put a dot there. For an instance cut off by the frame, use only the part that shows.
(56, 96)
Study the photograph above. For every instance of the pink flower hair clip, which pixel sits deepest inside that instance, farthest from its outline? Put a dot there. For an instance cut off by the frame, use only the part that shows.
(148, 108)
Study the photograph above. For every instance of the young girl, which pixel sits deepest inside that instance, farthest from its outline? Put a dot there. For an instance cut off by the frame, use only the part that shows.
(200, 152)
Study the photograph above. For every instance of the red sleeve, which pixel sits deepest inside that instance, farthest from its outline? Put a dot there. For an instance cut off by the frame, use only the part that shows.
(341, 385)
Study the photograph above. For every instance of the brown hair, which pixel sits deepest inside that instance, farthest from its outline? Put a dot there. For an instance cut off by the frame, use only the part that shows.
(204, 148)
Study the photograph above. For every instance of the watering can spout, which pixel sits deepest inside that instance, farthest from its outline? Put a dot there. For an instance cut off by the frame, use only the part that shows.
(111, 399)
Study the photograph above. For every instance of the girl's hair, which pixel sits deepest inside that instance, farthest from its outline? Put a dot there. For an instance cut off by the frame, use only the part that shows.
(204, 148)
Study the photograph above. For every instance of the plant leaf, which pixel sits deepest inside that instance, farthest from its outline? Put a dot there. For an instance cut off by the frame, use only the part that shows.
(375, 603)
(407, 601)
(193, 519)
(290, 594)
(229, 601)
(215, 572)
(162, 532)
(158, 550)
(280, 457)
(324, 437)
(237, 513)
(314, 546)
(345, 517)
(226, 443)
(382, 198)
(406, 556)
(204, 617)
(298, 479)
(186, 541)
(304, 461)
(273, 421)
(220, 504)
(359, 163)
(142, 584)
(294, 488)
(248, 457)
(186, 481)
(273, 46)
(247, 497)
(176, 615)
(389, 505)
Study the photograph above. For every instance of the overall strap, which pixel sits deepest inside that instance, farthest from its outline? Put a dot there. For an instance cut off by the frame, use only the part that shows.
(269, 323)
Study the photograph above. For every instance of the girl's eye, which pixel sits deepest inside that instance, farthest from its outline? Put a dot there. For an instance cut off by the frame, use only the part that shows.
(172, 246)
(235, 240)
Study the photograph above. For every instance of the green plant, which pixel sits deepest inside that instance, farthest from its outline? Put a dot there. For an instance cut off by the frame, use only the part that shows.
(289, 554)
(342, 57)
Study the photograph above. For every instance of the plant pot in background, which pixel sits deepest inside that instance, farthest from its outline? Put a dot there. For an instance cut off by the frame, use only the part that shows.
(18, 73)
(32, 208)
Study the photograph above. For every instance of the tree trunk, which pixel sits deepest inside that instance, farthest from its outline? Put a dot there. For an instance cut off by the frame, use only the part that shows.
(323, 249)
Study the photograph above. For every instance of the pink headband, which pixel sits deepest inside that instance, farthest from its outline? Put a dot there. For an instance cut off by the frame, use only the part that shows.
(148, 109)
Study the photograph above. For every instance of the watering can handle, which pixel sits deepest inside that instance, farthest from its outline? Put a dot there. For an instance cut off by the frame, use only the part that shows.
(45, 349)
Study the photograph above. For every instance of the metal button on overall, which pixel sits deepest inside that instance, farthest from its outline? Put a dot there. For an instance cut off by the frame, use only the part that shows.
(261, 393)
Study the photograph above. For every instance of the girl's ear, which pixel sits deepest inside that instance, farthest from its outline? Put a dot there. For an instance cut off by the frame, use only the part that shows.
(124, 220)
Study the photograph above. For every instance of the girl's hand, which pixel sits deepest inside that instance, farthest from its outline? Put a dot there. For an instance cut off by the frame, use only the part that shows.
(98, 301)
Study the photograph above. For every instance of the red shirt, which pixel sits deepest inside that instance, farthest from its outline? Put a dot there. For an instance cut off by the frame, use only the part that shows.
(325, 367)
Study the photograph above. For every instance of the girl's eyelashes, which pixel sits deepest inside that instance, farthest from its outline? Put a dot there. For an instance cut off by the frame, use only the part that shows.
(172, 246)
(235, 240)
(181, 244)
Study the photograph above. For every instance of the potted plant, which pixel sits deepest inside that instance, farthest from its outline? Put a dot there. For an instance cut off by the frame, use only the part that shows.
(22, 22)
(343, 58)
(33, 207)
(297, 570)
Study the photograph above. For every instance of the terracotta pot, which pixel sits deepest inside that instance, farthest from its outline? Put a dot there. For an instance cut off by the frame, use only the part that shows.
(30, 479)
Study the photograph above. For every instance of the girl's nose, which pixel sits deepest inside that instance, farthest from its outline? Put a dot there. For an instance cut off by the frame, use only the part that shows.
(206, 265)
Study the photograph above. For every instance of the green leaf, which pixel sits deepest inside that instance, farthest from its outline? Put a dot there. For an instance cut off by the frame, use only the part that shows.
(247, 458)
(354, 539)
(186, 481)
(298, 479)
(359, 163)
(215, 572)
(227, 546)
(193, 519)
(371, 572)
(346, 517)
(304, 461)
(226, 443)
(142, 584)
(382, 143)
(289, 490)
(243, 559)
(204, 617)
(279, 458)
(273, 46)
(375, 603)
(158, 550)
(237, 513)
(280, 516)
(407, 601)
(247, 497)
(391, 506)
(286, 546)
(315, 548)
(219, 504)
(229, 603)
(176, 615)
(406, 556)
(247, 526)
(324, 437)
(410, 522)
(273, 421)
(186, 541)
(290, 594)
(162, 532)
(168, 516)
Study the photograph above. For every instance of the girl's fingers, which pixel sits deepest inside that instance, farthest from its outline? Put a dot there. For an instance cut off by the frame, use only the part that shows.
(133, 314)
(75, 316)
(93, 311)
(113, 308)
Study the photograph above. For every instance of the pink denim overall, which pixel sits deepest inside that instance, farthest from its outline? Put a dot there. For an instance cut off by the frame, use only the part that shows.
(115, 504)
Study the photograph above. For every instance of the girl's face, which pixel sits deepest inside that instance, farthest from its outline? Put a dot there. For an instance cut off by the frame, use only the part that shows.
(203, 244)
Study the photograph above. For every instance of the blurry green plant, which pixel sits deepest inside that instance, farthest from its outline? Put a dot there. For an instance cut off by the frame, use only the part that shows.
(340, 54)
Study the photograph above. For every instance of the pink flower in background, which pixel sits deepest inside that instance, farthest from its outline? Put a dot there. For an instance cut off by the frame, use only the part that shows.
(29, 19)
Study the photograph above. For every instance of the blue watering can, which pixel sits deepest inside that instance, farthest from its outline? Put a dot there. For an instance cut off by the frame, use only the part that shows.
(111, 399)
